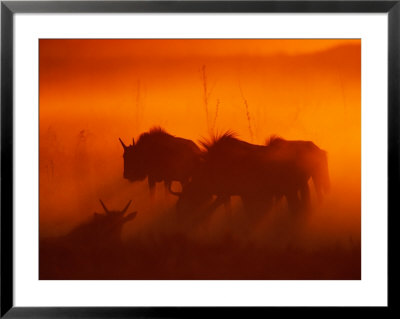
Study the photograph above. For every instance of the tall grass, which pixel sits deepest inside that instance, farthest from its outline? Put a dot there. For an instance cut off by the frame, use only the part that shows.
(215, 116)
(246, 106)
(138, 106)
(205, 95)
(211, 124)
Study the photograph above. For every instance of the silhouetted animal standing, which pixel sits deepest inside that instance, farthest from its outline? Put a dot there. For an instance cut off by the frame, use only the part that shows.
(310, 159)
(160, 156)
(256, 173)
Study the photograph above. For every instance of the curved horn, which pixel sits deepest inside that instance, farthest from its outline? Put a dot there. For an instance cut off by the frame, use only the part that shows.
(123, 145)
(126, 207)
(104, 206)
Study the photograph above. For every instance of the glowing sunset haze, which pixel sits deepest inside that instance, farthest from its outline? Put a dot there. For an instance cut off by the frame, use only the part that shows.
(95, 92)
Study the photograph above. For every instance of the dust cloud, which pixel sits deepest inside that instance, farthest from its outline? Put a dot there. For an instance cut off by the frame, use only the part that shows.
(93, 93)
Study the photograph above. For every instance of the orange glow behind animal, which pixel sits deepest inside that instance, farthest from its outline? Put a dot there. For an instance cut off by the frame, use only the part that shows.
(93, 92)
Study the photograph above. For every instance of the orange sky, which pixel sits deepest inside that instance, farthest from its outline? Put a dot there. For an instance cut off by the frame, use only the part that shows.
(94, 91)
(178, 48)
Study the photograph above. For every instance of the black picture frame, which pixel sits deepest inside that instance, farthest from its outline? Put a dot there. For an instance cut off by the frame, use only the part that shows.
(9, 8)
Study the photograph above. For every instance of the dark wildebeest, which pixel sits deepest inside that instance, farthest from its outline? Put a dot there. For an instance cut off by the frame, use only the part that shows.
(88, 250)
(310, 159)
(160, 156)
(102, 230)
(256, 173)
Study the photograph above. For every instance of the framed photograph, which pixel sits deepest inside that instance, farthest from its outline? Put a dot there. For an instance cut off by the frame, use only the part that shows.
(188, 158)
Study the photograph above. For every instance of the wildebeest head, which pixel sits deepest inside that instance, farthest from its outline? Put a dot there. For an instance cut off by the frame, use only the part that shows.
(102, 231)
(115, 217)
(134, 163)
(108, 227)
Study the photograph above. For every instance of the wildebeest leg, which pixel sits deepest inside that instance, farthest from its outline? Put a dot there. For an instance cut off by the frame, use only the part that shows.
(210, 209)
(152, 186)
(293, 201)
(217, 202)
(226, 200)
(318, 187)
(305, 196)
(167, 187)
(257, 204)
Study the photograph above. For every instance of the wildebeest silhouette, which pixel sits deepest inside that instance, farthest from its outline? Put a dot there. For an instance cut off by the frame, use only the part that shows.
(310, 159)
(103, 230)
(256, 173)
(160, 156)
(87, 249)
